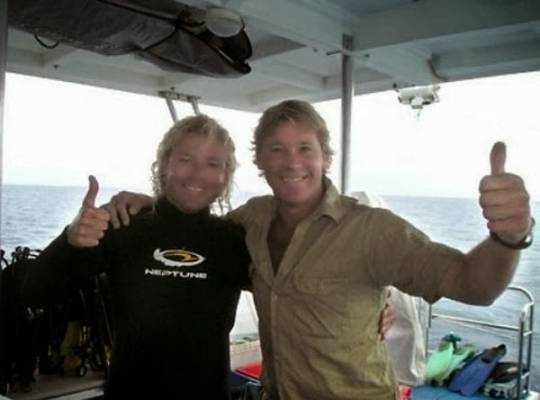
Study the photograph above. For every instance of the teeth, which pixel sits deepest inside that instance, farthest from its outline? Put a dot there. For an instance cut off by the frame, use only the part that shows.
(298, 179)
(194, 188)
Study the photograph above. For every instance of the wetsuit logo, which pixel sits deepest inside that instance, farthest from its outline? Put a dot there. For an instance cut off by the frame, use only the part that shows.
(178, 258)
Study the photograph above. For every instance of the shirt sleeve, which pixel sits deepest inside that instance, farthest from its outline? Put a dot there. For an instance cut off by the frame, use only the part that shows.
(405, 257)
(241, 257)
(59, 268)
(239, 215)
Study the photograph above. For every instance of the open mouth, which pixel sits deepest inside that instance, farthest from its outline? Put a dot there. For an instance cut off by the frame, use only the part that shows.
(292, 179)
(193, 188)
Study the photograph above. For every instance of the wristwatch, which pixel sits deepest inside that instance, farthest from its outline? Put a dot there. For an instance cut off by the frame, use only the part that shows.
(522, 244)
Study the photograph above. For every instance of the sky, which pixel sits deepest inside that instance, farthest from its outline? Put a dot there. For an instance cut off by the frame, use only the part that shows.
(58, 133)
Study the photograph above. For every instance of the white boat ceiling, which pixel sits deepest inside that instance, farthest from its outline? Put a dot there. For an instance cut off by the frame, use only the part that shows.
(297, 47)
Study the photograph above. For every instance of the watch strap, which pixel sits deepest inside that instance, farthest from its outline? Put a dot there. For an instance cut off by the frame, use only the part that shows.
(522, 244)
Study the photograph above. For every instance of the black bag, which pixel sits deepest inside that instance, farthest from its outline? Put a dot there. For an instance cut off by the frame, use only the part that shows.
(18, 344)
(163, 32)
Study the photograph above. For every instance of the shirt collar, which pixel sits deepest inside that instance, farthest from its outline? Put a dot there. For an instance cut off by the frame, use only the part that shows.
(330, 205)
(167, 210)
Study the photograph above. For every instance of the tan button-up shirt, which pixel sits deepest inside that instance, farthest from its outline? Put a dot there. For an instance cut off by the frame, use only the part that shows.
(318, 315)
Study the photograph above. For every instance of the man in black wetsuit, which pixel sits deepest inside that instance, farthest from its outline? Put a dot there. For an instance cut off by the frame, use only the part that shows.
(175, 272)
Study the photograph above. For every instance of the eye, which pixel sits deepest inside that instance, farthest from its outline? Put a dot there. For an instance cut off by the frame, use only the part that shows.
(275, 148)
(216, 164)
(305, 148)
(183, 159)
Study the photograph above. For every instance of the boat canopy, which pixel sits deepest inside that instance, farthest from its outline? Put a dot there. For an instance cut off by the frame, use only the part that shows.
(270, 50)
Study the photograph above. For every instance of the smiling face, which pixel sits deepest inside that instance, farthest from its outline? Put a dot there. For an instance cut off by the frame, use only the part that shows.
(190, 159)
(195, 173)
(293, 164)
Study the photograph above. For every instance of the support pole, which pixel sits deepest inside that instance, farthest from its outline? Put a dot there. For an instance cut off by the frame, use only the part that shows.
(170, 95)
(194, 104)
(170, 104)
(347, 93)
(3, 65)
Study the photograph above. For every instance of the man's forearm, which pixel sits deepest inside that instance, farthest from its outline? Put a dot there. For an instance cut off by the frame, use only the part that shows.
(482, 274)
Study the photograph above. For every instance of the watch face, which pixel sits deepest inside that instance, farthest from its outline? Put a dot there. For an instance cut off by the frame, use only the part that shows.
(527, 240)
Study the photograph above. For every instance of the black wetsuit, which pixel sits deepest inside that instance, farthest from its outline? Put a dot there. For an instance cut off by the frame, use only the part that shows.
(175, 281)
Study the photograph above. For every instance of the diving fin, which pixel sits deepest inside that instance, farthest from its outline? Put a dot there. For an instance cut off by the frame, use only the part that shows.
(502, 382)
(476, 371)
(458, 358)
(504, 372)
(440, 360)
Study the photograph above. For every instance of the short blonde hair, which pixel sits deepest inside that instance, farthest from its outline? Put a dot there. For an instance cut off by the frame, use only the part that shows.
(297, 112)
(202, 126)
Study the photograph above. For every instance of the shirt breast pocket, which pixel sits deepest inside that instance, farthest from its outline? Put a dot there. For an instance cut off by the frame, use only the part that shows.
(319, 306)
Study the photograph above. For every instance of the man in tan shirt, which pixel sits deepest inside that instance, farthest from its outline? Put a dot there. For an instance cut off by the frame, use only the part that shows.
(320, 262)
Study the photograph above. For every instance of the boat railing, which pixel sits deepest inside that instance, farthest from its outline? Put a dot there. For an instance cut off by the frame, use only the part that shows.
(523, 330)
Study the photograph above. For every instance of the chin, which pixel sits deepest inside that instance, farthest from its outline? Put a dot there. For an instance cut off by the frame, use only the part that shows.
(295, 199)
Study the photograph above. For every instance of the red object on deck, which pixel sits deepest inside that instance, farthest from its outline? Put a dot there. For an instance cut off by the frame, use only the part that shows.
(405, 392)
(251, 370)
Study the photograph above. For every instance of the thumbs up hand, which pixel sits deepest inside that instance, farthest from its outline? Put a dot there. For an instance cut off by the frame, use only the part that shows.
(90, 224)
(504, 199)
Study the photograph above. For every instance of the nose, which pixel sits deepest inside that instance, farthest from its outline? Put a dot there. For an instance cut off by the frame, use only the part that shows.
(198, 169)
(292, 159)
(193, 170)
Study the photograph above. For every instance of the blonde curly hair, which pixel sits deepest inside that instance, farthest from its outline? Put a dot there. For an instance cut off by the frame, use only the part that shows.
(198, 125)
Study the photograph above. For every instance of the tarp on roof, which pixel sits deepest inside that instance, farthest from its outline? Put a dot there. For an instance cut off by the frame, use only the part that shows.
(165, 32)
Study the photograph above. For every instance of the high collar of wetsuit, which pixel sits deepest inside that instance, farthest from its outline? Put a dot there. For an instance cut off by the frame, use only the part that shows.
(167, 210)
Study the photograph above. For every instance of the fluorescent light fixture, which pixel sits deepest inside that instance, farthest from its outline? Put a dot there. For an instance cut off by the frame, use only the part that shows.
(419, 96)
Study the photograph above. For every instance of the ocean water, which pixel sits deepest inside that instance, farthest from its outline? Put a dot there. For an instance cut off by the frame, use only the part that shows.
(34, 215)
(459, 223)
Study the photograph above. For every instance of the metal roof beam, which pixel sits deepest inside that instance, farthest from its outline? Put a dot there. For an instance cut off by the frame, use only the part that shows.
(370, 81)
(395, 42)
(366, 78)
(490, 60)
(176, 80)
(436, 19)
(57, 55)
(290, 75)
(272, 48)
(29, 63)
(409, 65)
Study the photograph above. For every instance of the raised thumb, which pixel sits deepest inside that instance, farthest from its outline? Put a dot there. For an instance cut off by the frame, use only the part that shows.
(93, 188)
(497, 158)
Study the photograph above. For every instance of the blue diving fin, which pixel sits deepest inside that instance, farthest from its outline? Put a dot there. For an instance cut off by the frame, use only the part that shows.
(476, 371)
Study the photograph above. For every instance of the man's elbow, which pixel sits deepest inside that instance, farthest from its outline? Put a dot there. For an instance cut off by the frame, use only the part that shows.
(458, 286)
(482, 296)
(486, 301)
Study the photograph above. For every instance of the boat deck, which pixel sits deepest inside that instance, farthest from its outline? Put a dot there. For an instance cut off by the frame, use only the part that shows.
(90, 387)
(72, 387)
(438, 393)
(66, 387)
